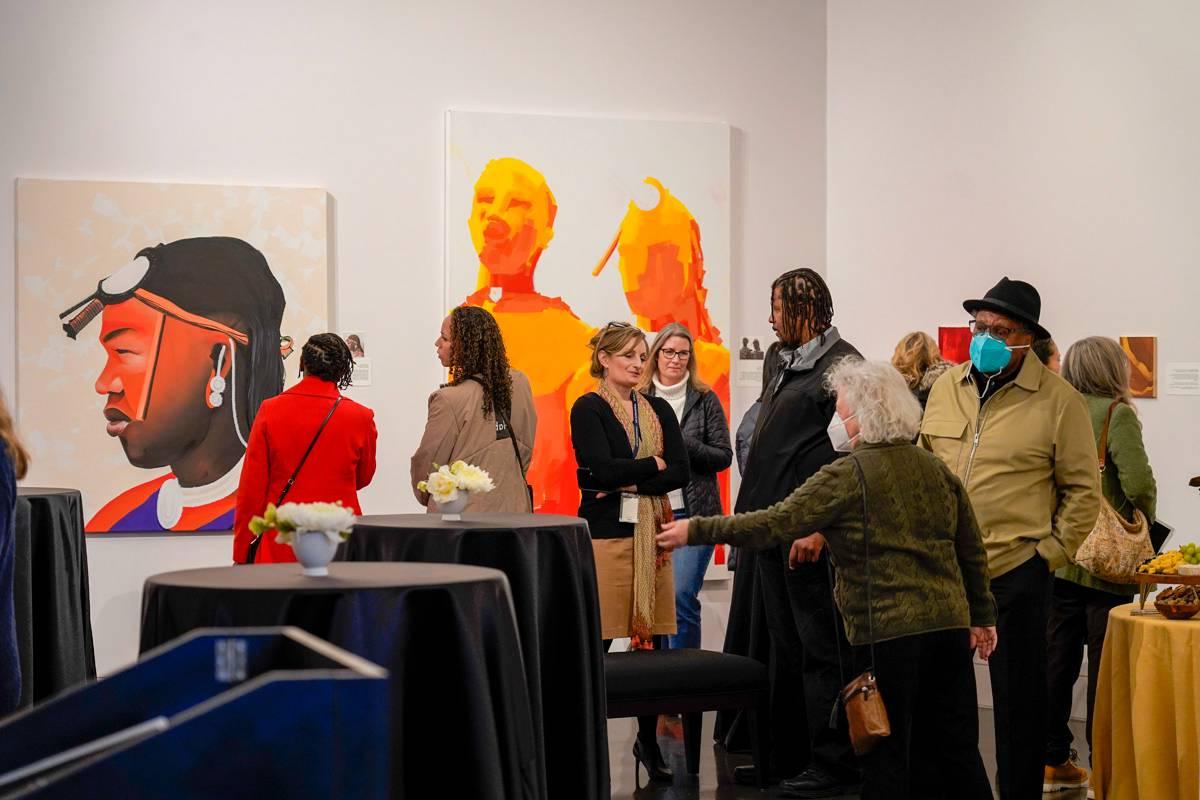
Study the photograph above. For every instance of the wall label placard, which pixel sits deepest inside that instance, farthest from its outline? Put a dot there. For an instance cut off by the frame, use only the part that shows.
(1183, 378)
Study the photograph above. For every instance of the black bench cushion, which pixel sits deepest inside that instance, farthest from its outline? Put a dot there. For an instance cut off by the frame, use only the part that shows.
(646, 674)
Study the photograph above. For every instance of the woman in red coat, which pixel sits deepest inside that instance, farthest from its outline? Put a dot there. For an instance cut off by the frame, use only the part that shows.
(341, 462)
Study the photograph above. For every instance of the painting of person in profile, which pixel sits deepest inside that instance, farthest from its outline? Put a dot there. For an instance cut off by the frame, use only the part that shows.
(354, 342)
(191, 335)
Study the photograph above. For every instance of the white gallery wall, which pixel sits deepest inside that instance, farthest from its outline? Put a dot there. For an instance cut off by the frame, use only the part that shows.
(351, 97)
(1054, 142)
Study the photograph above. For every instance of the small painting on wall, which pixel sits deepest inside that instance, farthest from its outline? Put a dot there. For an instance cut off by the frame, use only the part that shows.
(1143, 357)
(955, 343)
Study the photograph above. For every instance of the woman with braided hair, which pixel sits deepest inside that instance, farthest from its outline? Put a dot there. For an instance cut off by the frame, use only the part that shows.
(313, 413)
(484, 415)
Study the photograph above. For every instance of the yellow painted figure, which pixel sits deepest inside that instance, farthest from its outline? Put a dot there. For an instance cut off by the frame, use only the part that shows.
(662, 275)
(511, 224)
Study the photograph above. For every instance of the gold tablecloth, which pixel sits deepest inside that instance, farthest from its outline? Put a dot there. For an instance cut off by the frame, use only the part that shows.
(1146, 726)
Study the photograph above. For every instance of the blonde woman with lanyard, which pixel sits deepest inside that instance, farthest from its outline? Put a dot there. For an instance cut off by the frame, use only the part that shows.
(631, 455)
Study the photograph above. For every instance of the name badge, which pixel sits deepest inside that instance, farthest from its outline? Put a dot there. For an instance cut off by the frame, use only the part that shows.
(629, 507)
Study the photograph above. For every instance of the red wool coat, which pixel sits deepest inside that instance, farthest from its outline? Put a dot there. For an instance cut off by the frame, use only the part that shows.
(341, 463)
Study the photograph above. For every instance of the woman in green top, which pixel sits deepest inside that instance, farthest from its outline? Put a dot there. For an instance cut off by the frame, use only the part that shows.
(931, 605)
(1099, 368)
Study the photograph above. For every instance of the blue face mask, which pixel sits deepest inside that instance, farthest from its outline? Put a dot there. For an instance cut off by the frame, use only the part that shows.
(989, 354)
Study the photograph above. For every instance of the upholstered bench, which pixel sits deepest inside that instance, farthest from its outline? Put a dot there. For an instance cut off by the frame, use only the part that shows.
(689, 682)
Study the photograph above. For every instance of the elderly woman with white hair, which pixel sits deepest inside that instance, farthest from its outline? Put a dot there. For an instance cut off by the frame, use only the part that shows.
(926, 576)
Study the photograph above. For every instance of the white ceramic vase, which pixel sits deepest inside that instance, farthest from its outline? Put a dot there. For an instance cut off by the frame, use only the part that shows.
(452, 511)
(314, 550)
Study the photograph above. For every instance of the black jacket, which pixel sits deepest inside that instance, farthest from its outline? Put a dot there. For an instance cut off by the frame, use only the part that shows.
(791, 438)
(706, 437)
(606, 463)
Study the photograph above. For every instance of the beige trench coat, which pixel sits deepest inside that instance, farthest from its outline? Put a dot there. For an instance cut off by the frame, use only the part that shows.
(458, 430)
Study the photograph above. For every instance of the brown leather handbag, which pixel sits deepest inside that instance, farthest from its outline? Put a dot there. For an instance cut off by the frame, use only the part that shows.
(865, 711)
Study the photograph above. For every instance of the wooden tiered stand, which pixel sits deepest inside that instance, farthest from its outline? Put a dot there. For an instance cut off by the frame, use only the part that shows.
(1147, 581)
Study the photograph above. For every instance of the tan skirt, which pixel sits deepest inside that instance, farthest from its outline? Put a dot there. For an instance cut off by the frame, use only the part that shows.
(614, 578)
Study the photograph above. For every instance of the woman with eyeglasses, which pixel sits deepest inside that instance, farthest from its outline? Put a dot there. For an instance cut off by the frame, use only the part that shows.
(672, 376)
(631, 456)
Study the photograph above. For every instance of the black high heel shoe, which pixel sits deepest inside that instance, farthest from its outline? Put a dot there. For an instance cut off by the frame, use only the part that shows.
(651, 758)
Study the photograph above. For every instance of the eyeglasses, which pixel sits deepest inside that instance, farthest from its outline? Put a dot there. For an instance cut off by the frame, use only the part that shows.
(671, 355)
(998, 331)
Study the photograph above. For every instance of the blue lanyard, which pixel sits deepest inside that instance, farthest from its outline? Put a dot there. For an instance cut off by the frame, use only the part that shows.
(637, 428)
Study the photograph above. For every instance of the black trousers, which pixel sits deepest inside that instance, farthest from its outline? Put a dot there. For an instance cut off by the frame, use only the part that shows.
(1018, 670)
(1078, 618)
(927, 682)
(806, 634)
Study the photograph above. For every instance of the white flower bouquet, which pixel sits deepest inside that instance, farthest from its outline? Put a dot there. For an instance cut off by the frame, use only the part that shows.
(288, 519)
(447, 483)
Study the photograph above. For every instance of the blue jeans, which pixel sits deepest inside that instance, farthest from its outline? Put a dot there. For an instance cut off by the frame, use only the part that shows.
(689, 565)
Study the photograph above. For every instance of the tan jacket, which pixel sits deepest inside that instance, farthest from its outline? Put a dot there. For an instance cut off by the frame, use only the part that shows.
(457, 429)
(1027, 459)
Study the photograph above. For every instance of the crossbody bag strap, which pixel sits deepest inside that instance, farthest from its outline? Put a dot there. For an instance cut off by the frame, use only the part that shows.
(512, 435)
(287, 487)
(1102, 446)
(862, 483)
(252, 552)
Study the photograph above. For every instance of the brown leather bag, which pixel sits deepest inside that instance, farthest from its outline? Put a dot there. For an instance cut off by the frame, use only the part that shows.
(865, 711)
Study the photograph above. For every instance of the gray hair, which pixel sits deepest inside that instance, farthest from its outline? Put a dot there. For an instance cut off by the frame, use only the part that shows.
(1098, 366)
(878, 395)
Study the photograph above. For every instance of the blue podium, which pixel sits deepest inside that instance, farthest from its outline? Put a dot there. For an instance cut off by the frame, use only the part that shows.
(229, 713)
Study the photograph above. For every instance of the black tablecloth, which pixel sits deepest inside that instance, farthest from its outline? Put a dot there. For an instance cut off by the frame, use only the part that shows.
(461, 722)
(53, 608)
(548, 560)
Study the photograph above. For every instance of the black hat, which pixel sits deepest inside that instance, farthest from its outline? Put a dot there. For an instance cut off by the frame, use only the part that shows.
(1016, 299)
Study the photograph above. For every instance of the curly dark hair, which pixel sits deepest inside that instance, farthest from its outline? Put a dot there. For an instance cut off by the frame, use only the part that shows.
(477, 351)
(807, 304)
(326, 356)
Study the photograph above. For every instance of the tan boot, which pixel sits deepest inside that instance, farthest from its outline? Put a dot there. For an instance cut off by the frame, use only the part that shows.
(1065, 776)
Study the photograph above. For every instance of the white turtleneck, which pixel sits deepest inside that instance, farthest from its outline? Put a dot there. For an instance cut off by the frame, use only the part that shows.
(675, 396)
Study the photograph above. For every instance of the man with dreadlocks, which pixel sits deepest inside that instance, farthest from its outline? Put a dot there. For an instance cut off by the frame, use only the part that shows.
(790, 443)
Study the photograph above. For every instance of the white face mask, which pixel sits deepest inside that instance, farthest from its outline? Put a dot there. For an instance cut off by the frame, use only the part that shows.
(842, 442)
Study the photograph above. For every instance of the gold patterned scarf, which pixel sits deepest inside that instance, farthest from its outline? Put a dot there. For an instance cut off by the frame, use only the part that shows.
(653, 510)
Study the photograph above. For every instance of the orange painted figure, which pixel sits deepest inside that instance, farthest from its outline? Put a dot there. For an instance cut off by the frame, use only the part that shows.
(662, 275)
(511, 224)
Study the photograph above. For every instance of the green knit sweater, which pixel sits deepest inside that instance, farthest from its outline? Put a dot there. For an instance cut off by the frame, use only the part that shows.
(928, 565)
(1127, 480)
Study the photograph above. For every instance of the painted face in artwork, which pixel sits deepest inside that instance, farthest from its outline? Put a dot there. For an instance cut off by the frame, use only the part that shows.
(661, 260)
(512, 216)
(157, 378)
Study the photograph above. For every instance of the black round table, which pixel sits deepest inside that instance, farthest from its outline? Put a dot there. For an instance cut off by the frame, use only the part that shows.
(461, 722)
(548, 561)
(51, 594)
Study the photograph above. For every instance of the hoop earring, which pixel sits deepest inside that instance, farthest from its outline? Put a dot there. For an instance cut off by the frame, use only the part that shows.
(216, 382)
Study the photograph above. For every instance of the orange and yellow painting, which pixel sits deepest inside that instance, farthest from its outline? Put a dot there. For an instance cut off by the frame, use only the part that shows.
(1143, 357)
(547, 203)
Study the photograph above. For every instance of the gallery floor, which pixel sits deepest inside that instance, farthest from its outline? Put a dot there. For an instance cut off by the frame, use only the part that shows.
(715, 781)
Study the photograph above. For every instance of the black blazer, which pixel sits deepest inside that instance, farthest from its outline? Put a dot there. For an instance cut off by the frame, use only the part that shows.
(606, 463)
